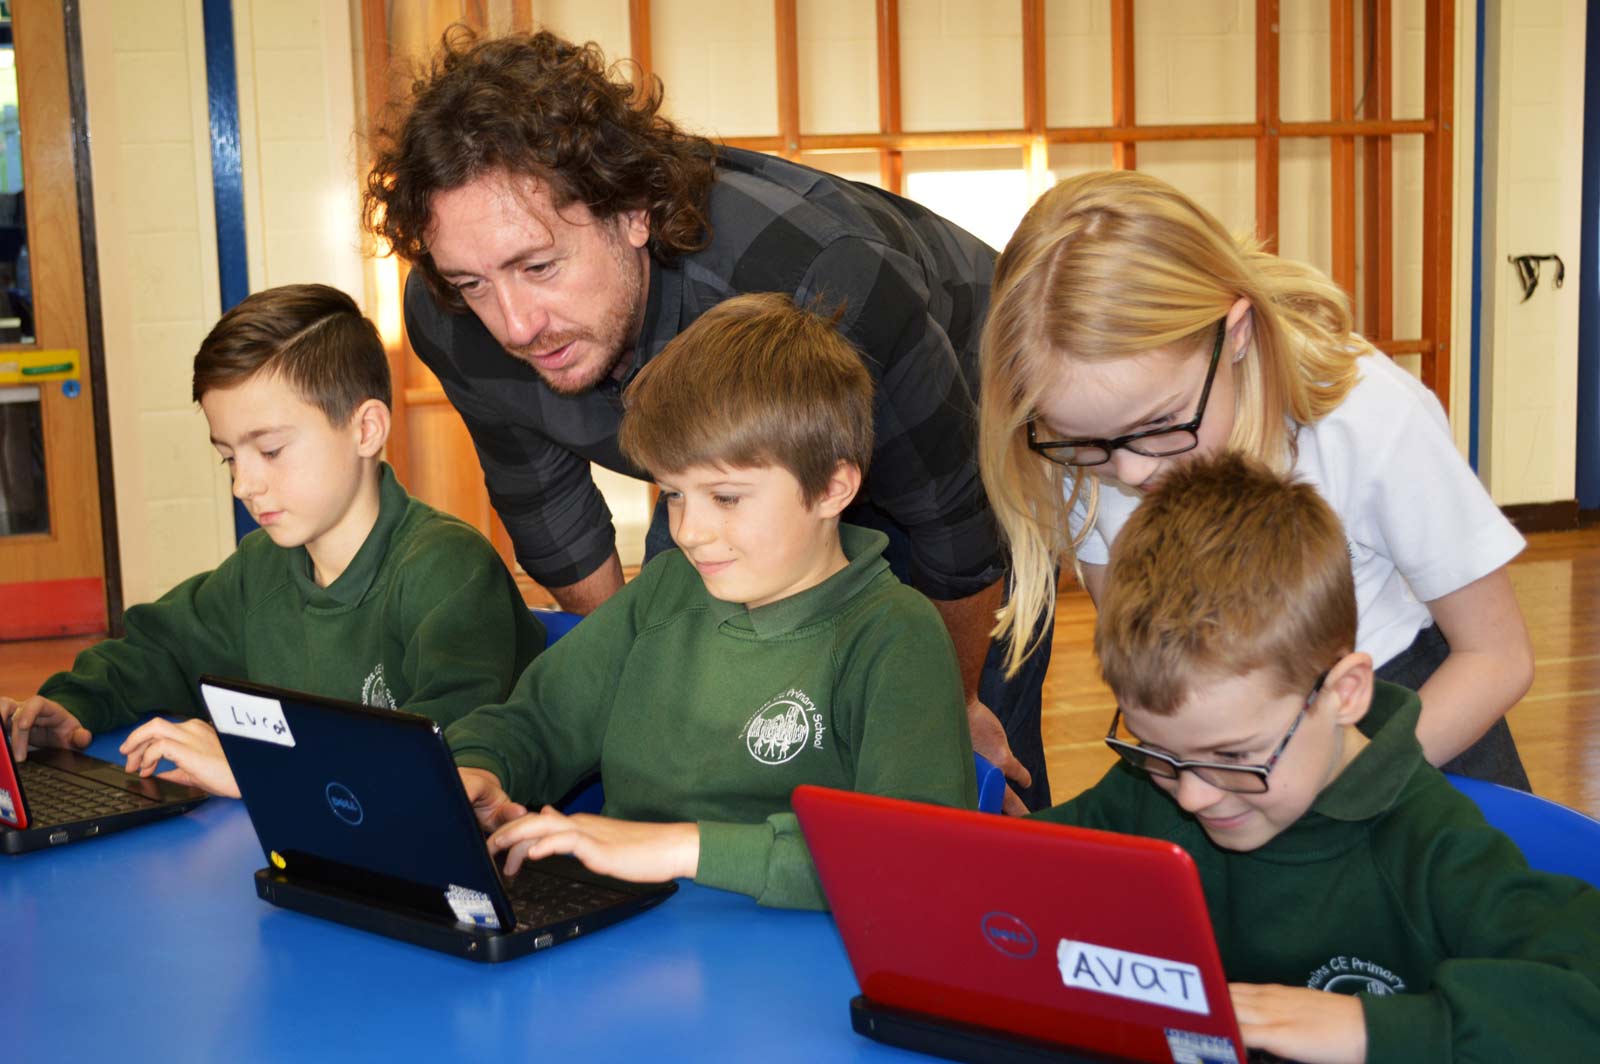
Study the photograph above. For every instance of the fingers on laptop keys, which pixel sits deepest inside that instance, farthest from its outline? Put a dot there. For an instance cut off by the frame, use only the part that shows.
(490, 803)
(1297, 1023)
(42, 721)
(533, 831)
(191, 745)
(627, 849)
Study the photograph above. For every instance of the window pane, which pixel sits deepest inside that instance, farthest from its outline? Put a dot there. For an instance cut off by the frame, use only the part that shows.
(16, 287)
(24, 506)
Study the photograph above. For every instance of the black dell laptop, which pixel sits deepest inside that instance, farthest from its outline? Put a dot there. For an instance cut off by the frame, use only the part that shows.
(364, 821)
(59, 796)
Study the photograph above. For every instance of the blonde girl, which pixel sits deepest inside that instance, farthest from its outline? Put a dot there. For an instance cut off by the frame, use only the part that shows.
(1129, 331)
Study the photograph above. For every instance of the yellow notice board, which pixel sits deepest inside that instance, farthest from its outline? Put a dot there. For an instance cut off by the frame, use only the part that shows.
(34, 367)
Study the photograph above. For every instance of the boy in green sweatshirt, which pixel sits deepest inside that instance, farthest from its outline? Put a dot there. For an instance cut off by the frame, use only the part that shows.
(1363, 908)
(773, 648)
(350, 589)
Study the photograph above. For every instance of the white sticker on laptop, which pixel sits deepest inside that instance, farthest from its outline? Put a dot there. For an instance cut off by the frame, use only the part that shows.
(8, 809)
(1190, 1047)
(472, 907)
(1153, 980)
(247, 716)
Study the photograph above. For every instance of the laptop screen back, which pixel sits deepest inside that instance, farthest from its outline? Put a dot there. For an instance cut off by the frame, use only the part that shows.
(357, 798)
(13, 805)
(1077, 938)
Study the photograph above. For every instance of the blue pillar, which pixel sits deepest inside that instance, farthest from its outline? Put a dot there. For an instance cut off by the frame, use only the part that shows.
(1589, 272)
(227, 183)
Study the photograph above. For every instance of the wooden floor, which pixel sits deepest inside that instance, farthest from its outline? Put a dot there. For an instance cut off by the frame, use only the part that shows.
(1557, 726)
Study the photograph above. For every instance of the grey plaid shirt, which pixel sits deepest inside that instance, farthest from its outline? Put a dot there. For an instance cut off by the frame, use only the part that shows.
(914, 288)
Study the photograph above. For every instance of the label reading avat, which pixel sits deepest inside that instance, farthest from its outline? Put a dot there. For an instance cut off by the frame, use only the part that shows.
(1154, 980)
(247, 716)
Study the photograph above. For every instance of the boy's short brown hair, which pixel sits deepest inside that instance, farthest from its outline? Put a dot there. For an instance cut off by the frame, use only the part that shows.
(754, 381)
(313, 335)
(1224, 569)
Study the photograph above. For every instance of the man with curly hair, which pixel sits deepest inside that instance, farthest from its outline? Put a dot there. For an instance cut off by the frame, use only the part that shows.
(553, 215)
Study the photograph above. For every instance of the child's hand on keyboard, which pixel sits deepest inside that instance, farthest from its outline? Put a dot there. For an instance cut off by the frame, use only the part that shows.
(626, 849)
(42, 721)
(191, 745)
(1299, 1023)
(490, 803)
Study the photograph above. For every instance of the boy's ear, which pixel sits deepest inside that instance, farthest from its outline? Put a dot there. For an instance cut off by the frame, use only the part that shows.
(1350, 681)
(371, 424)
(841, 490)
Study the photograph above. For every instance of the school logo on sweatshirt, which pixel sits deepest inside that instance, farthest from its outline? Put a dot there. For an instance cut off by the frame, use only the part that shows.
(1352, 975)
(375, 691)
(783, 727)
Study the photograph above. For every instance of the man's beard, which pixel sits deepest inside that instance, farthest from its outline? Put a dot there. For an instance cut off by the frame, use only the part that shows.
(573, 379)
(612, 338)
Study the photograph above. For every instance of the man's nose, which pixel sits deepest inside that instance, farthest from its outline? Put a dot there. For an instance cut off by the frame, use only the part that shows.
(522, 316)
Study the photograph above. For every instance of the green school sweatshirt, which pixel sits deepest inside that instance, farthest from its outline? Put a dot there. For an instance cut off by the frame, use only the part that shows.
(425, 618)
(695, 709)
(1394, 888)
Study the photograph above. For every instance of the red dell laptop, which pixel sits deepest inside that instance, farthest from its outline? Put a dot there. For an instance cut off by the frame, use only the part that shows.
(979, 937)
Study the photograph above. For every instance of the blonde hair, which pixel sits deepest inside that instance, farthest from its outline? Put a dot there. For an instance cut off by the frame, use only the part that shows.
(754, 381)
(1113, 265)
(1226, 568)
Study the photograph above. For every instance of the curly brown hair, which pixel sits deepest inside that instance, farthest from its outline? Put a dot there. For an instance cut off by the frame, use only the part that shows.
(545, 107)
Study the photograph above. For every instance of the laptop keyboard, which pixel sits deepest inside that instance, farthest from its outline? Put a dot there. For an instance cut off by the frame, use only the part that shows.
(539, 898)
(56, 797)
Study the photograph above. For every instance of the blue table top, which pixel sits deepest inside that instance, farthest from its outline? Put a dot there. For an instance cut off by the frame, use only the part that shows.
(150, 944)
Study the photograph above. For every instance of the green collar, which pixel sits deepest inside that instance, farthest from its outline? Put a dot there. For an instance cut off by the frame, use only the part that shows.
(1373, 781)
(1368, 787)
(354, 582)
(863, 549)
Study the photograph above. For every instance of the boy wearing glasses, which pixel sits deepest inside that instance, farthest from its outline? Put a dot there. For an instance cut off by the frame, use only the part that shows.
(1362, 906)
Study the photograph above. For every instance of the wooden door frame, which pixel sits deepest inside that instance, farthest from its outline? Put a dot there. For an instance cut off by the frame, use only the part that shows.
(77, 90)
(70, 575)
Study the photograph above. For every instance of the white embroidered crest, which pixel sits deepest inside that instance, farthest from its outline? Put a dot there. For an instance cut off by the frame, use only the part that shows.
(1352, 975)
(375, 691)
(783, 727)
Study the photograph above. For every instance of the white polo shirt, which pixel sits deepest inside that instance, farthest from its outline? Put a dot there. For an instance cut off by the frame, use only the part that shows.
(1418, 523)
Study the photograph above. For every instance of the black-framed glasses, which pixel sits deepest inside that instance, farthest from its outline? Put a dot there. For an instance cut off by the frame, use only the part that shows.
(1243, 779)
(1152, 443)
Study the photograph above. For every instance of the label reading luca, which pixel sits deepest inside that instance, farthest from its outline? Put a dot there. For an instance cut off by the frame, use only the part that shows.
(247, 716)
(1153, 980)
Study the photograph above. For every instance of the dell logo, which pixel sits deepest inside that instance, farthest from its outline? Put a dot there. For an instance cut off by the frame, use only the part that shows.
(1009, 935)
(344, 804)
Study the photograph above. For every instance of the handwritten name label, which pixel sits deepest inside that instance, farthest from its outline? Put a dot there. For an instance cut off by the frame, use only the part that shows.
(247, 716)
(1153, 980)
